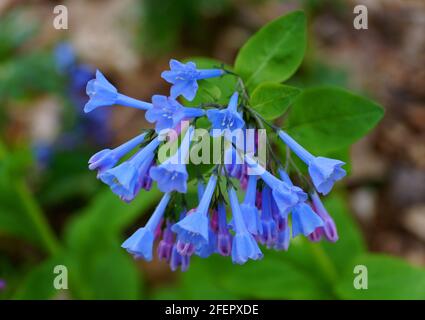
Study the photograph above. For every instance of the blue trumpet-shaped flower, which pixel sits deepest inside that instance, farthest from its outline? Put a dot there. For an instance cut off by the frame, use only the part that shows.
(172, 174)
(177, 260)
(286, 195)
(283, 237)
(124, 179)
(324, 172)
(226, 120)
(224, 238)
(183, 78)
(194, 227)
(107, 158)
(249, 210)
(304, 220)
(102, 94)
(141, 242)
(165, 246)
(269, 227)
(167, 113)
(244, 246)
(329, 228)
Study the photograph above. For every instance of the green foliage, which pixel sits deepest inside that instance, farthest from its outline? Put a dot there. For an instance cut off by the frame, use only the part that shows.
(275, 52)
(325, 119)
(388, 278)
(271, 100)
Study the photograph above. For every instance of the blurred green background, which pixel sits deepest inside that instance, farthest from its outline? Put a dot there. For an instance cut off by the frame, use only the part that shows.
(53, 211)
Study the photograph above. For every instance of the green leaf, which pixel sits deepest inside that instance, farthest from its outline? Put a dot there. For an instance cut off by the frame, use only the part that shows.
(214, 90)
(350, 243)
(20, 214)
(274, 277)
(325, 119)
(38, 283)
(275, 52)
(93, 240)
(271, 100)
(114, 276)
(388, 278)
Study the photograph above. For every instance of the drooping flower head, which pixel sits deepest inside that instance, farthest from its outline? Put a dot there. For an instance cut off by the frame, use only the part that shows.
(226, 120)
(141, 242)
(183, 78)
(194, 227)
(244, 246)
(102, 94)
(324, 172)
(167, 113)
(172, 174)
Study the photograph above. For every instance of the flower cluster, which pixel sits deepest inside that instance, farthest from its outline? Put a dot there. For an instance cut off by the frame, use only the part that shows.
(240, 205)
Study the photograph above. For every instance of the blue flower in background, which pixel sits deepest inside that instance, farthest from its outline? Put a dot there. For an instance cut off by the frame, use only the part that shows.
(228, 119)
(323, 171)
(167, 113)
(172, 174)
(141, 242)
(194, 227)
(183, 78)
(244, 246)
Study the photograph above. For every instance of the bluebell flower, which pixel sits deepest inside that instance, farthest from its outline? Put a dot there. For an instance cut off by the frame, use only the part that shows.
(124, 179)
(249, 210)
(194, 227)
(329, 228)
(224, 238)
(286, 196)
(165, 246)
(64, 56)
(304, 220)
(233, 163)
(226, 120)
(141, 242)
(102, 94)
(268, 235)
(172, 175)
(206, 249)
(283, 237)
(183, 78)
(177, 260)
(167, 113)
(107, 158)
(244, 246)
(324, 172)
